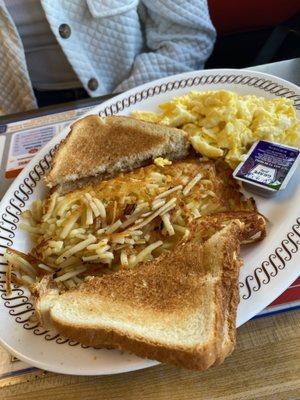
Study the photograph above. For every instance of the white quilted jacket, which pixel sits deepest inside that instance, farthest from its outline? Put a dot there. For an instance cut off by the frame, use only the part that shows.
(117, 43)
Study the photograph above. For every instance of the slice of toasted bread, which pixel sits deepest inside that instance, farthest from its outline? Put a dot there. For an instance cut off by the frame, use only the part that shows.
(100, 147)
(172, 309)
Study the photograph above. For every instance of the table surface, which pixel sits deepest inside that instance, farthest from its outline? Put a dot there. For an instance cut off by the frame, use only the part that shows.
(264, 366)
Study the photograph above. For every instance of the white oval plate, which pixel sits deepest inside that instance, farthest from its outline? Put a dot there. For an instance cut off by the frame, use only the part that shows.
(270, 267)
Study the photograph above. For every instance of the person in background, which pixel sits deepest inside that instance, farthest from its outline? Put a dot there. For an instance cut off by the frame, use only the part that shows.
(70, 49)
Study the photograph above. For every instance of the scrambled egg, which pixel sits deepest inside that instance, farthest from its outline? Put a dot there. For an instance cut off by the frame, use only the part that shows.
(224, 124)
(162, 162)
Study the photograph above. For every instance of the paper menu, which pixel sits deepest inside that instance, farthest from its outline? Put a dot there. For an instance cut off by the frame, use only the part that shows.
(24, 145)
(11, 366)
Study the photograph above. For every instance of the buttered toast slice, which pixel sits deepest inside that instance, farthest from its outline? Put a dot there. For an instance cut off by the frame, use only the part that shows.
(98, 148)
(172, 309)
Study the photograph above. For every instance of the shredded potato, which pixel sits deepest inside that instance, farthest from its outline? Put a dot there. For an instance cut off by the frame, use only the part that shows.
(118, 223)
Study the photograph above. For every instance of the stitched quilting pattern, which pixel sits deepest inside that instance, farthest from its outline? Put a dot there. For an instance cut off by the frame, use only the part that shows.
(15, 87)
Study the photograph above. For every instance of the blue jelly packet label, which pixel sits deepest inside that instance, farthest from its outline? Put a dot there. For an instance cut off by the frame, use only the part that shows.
(269, 165)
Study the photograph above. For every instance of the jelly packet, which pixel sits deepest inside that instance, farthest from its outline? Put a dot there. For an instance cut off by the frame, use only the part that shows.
(267, 167)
